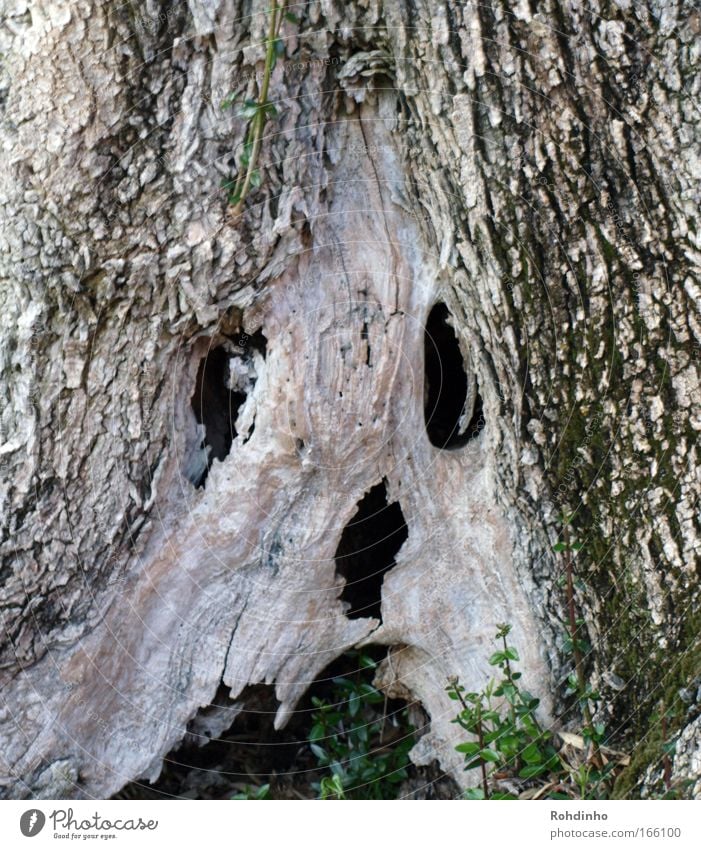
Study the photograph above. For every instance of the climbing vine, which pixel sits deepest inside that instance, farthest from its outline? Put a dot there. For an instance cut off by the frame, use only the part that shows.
(257, 111)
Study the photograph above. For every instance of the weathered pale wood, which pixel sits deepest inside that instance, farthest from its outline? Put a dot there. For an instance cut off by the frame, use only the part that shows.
(522, 168)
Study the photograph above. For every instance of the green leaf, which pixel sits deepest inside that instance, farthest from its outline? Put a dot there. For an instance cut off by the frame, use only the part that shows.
(331, 786)
(559, 546)
(497, 658)
(279, 47)
(532, 754)
(354, 704)
(317, 732)
(293, 19)
(468, 748)
(490, 756)
(492, 736)
(511, 654)
(474, 793)
(509, 745)
(249, 109)
(510, 693)
(256, 180)
(532, 771)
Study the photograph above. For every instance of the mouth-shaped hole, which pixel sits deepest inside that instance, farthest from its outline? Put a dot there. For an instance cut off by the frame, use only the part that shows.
(232, 748)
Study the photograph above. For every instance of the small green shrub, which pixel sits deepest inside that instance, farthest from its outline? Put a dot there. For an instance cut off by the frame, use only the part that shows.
(364, 749)
(509, 740)
(517, 758)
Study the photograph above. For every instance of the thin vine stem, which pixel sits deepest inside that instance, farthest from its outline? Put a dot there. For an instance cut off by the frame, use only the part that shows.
(254, 136)
(480, 738)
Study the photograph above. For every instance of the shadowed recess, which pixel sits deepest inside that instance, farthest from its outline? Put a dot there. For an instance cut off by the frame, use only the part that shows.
(446, 385)
(216, 407)
(231, 747)
(368, 547)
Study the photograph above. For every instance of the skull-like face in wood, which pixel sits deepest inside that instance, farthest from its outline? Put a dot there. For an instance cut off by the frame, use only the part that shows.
(356, 499)
(329, 481)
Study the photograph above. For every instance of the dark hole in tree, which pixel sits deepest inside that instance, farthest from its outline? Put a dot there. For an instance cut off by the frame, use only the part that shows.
(446, 385)
(256, 341)
(216, 406)
(245, 750)
(368, 546)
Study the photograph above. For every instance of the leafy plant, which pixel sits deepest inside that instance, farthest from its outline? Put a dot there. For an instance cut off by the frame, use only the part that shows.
(509, 740)
(331, 787)
(253, 793)
(257, 111)
(517, 758)
(364, 749)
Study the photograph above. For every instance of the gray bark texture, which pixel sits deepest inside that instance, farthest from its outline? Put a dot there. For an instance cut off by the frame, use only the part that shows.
(535, 167)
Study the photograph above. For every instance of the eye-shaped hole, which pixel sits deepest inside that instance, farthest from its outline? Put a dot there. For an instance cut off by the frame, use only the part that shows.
(452, 406)
(226, 376)
(215, 407)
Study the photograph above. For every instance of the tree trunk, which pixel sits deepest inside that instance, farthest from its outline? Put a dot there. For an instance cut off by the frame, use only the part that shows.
(195, 404)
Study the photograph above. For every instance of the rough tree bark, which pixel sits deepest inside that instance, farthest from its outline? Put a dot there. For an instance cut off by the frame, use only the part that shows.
(532, 166)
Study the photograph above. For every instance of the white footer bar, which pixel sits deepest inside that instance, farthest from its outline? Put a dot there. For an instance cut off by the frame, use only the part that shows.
(337, 825)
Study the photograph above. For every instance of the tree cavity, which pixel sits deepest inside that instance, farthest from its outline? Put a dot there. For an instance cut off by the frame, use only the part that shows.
(225, 378)
(367, 550)
(453, 414)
